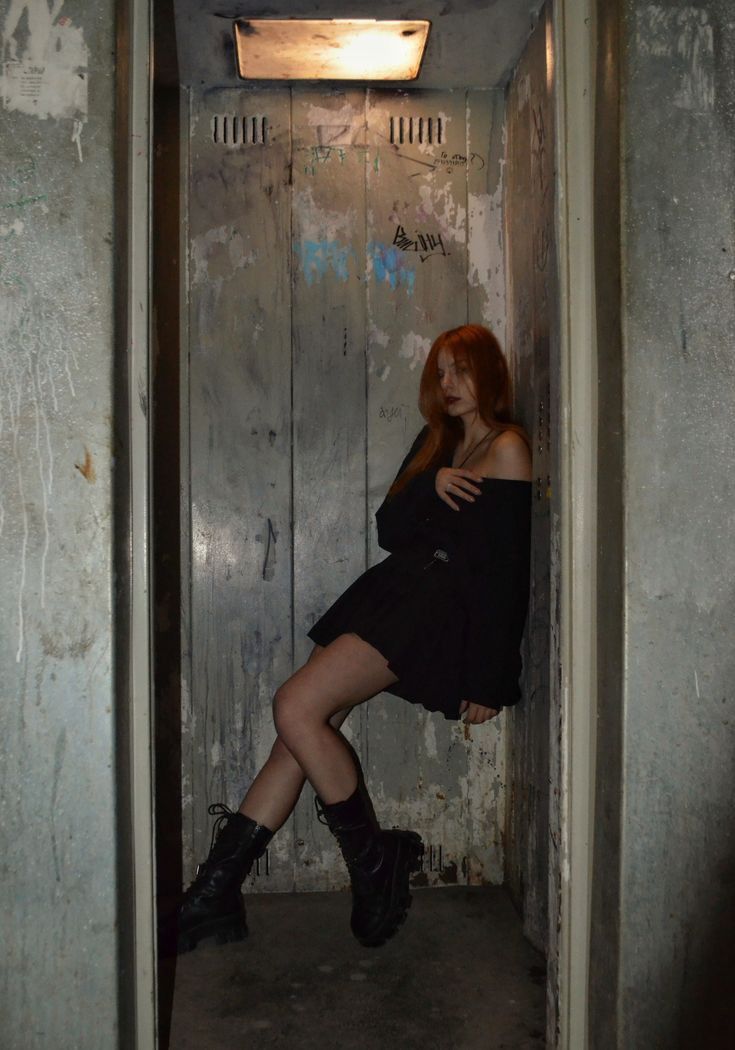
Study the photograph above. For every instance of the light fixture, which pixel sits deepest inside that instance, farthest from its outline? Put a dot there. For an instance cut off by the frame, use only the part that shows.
(329, 48)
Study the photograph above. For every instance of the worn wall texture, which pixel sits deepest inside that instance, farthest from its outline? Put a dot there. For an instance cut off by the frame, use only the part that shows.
(58, 983)
(677, 839)
(533, 337)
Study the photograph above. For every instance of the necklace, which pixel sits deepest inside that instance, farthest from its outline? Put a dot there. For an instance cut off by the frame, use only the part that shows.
(474, 449)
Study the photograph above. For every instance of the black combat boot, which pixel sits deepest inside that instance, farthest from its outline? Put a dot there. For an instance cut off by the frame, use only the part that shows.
(213, 905)
(379, 862)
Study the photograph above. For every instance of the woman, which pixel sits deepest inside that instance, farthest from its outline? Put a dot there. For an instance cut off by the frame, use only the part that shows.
(438, 622)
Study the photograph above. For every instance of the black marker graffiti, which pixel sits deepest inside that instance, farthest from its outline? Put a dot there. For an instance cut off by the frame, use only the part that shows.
(268, 569)
(391, 412)
(424, 244)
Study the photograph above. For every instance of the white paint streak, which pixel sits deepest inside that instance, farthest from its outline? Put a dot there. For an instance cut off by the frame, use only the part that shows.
(378, 335)
(318, 116)
(440, 208)
(35, 355)
(12, 229)
(220, 248)
(484, 250)
(76, 137)
(683, 36)
(430, 739)
(415, 349)
(321, 224)
(45, 75)
(696, 684)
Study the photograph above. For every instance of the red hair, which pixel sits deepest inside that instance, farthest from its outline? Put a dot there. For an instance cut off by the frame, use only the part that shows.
(478, 349)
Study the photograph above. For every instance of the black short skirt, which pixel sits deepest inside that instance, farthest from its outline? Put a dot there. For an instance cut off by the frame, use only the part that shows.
(407, 607)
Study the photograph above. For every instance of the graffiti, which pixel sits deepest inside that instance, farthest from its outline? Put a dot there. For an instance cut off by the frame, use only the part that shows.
(16, 184)
(270, 553)
(389, 266)
(392, 412)
(318, 258)
(459, 160)
(424, 244)
(318, 156)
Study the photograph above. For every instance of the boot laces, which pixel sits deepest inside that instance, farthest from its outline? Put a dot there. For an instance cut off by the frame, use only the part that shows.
(223, 814)
(352, 861)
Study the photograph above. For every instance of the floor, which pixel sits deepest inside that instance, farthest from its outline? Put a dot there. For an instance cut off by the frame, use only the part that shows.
(458, 976)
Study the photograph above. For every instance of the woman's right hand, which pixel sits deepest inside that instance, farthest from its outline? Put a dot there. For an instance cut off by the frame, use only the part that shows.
(453, 481)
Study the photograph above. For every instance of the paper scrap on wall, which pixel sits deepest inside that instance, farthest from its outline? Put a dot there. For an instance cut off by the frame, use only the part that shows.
(44, 61)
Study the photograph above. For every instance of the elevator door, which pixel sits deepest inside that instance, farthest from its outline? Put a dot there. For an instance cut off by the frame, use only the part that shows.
(331, 236)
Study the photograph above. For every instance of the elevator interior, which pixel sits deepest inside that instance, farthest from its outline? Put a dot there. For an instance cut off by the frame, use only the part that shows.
(310, 240)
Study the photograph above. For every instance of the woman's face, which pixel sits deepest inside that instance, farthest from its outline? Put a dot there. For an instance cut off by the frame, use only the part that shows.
(456, 385)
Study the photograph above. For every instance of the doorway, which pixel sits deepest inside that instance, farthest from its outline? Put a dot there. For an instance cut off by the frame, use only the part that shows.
(305, 359)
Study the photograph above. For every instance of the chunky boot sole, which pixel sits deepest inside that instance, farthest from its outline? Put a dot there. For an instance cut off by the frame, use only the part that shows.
(408, 858)
(225, 930)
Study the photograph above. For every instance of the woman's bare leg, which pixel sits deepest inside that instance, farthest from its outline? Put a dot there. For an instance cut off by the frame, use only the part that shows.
(271, 797)
(274, 792)
(335, 679)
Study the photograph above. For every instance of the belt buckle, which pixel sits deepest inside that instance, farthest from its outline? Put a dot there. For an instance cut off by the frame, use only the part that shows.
(438, 555)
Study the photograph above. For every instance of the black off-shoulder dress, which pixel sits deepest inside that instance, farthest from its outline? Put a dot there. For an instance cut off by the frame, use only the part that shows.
(447, 608)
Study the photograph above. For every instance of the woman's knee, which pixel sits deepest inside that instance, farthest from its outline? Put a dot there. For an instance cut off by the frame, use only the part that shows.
(280, 752)
(288, 713)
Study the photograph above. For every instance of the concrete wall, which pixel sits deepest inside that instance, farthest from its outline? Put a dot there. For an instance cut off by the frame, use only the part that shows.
(59, 972)
(607, 815)
(670, 941)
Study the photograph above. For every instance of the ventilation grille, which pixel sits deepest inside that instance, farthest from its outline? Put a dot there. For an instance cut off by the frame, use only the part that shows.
(229, 129)
(416, 129)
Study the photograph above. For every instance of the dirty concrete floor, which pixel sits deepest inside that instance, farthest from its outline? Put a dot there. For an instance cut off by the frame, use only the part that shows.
(458, 976)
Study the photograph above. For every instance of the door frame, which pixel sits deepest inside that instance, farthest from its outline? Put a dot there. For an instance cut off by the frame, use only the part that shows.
(574, 36)
(137, 983)
(574, 56)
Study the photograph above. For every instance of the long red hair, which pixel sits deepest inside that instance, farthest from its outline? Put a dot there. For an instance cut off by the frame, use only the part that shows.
(478, 349)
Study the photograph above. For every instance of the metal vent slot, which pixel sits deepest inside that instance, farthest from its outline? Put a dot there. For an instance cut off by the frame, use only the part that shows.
(263, 864)
(416, 129)
(433, 858)
(231, 129)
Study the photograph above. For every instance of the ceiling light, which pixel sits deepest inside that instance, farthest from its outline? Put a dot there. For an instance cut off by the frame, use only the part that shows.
(329, 49)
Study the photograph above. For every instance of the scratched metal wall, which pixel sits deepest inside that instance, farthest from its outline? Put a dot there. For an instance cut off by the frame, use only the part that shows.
(533, 340)
(57, 922)
(322, 262)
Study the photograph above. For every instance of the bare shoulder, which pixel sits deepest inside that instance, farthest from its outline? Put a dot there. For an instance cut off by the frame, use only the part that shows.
(508, 457)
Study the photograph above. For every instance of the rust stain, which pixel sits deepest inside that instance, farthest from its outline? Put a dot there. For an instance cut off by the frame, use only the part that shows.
(86, 469)
(467, 732)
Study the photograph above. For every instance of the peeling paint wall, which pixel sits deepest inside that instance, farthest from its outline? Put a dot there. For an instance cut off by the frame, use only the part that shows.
(56, 715)
(323, 264)
(533, 337)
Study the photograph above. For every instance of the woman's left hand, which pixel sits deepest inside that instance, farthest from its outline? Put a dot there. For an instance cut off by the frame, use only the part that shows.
(476, 713)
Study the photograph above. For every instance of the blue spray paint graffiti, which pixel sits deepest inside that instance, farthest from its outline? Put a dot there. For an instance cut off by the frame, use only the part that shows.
(318, 257)
(389, 264)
